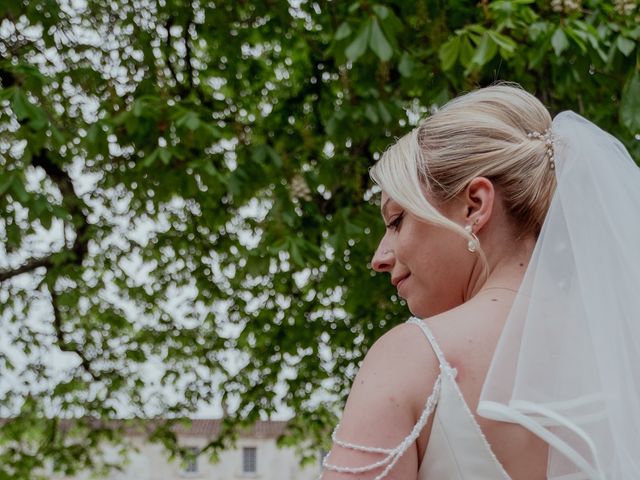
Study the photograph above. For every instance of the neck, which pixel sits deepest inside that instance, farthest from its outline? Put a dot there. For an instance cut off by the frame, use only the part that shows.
(505, 269)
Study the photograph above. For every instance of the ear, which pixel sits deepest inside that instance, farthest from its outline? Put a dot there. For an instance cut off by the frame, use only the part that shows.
(478, 199)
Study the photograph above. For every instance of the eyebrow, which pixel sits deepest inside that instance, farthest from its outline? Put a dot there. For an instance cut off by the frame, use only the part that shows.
(384, 208)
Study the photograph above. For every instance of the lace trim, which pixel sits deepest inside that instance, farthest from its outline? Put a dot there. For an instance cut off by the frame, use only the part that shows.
(392, 454)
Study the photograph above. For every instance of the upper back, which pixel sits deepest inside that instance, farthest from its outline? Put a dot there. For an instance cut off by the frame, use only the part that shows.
(467, 337)
(391, 402)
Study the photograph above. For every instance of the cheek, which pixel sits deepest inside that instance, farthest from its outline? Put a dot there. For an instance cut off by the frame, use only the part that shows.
(440, 266)
(438, 259)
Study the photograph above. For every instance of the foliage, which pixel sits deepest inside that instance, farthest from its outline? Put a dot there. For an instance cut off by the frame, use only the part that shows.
(185, 207)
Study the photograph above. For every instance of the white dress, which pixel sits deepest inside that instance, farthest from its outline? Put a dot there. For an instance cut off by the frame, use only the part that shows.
(457, 448)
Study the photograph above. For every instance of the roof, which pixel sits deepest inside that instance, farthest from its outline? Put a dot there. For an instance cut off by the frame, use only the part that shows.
(211, 428)
(208, 428)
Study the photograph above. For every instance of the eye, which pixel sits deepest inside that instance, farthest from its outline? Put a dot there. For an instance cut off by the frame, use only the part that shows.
(395, 223)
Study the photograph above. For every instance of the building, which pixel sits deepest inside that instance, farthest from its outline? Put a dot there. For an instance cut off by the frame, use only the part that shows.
(256, 456)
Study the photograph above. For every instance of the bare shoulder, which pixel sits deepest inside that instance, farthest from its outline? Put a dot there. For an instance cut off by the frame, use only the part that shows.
(400, 366)
(386, 399)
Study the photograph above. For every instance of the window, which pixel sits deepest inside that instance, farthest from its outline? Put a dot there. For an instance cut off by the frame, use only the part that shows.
(191, 460)
(322, 456)
(249, 464)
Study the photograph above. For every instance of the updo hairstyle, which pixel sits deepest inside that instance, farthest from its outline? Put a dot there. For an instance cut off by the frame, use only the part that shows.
(482, 133)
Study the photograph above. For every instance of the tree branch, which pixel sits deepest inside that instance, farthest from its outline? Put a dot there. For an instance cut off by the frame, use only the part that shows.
(62, 342)
(172, 70)
(70, 199)
(75, 207)
(187, 47)
(31, 265)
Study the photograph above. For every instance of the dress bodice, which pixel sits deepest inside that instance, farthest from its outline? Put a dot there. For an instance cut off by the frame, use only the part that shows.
(457, 448)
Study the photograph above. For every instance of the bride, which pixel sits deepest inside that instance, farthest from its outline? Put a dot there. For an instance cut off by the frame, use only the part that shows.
(513, 239)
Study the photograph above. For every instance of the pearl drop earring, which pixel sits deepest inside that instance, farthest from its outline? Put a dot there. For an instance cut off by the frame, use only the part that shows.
(472, 245)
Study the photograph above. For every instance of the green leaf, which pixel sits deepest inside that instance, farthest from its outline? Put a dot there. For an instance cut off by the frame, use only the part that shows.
(39, 119)
(60, 212)
(577, 37)
(486, 50)
(165, 155)
(190, 120)
(193, 122)
(625, 45)
(39, 205)
(259, 154)
(21, 105)
(45, 220)
(296, 254)
(274, 156)
(381, 11)
(136, 355)
(7, 93)
(5, 182)
(537, 29)
(634, 33)
(379, 43)
(149, 159)
(132, 124)
(211, 170)
(384, 113)
(58, 136)
(18, 189)
(214, 131)
(371, 113)
(630, 103)
(92, 133)
(359, 45)
(138, 108)
(344, 30)
(406, 65)
(506, 44)
(448, 53)
(559, 41)
(466, 51)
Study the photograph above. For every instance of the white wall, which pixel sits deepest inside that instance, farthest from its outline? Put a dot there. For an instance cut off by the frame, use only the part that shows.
(151, 463)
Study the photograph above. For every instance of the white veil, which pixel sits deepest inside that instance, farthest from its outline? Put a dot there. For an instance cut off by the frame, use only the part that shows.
(567, 366)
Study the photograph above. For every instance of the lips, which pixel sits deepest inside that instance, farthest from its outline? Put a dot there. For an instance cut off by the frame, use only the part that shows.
(397, 281)
(401, 283)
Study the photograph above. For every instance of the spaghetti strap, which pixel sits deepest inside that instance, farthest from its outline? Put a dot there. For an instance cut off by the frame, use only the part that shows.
(392, 455)
(444, 365)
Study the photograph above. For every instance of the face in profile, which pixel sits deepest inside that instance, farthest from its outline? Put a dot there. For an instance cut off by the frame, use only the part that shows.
(429, 265)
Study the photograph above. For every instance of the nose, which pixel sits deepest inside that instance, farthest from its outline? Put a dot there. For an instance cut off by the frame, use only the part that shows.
(384, 259)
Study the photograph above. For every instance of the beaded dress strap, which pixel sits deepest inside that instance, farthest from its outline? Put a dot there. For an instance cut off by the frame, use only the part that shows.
(444, 365)
(392, 455)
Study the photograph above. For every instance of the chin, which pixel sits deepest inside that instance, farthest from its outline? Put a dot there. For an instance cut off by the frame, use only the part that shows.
(425, 311)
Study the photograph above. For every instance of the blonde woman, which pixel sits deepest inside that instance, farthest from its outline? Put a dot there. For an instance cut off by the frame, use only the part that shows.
(514, 241)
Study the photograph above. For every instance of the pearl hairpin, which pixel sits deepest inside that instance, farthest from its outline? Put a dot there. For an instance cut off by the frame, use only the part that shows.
(547, 138)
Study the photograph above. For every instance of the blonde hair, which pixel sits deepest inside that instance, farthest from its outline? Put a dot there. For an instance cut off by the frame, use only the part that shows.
(482, 133)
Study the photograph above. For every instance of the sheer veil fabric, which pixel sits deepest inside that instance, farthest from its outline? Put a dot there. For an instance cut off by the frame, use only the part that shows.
(567, 365)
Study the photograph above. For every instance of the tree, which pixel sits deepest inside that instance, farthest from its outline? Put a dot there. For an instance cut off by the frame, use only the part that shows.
(185, 207)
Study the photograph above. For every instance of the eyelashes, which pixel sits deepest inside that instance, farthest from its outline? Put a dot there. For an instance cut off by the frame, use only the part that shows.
(396, 222)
